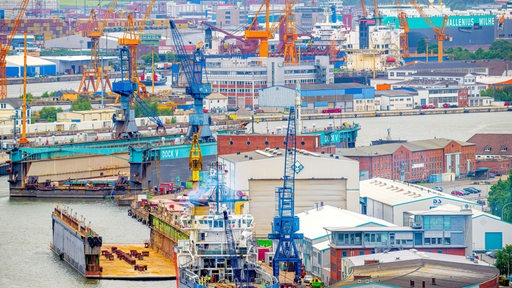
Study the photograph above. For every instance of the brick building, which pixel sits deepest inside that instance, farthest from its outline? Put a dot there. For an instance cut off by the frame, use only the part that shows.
(493, 151)
(414, 161)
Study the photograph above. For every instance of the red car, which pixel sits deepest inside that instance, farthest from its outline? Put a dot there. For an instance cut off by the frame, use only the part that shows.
(446, 105)
(457, 193)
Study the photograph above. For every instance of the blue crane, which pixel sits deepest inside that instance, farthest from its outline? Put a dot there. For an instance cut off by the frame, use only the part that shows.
(193, 66)
(286, 224)
(124, 118)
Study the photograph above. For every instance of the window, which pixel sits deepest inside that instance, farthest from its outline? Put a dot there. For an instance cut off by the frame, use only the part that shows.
(361, 252)
(343, 253)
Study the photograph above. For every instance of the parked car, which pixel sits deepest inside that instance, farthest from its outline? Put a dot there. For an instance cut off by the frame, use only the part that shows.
(458, 193)
(492, 253)
(308, 278)
(472, 190)
(446, 105)
(438, 188)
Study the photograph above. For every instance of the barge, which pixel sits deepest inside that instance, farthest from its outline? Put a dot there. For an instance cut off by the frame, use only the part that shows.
(83, 249)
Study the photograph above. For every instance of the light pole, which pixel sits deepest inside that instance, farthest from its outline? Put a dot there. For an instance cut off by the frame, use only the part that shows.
(503, 209)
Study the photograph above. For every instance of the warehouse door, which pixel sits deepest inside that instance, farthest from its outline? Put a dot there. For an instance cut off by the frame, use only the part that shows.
(493, 241)
(262, 203)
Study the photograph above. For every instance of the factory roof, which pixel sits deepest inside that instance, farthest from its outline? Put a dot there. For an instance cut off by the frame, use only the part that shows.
(331, 86)
(492, 144)
(437, 65)
(476, 213)
(394, 193)
(17, 60)
(312, 222)
(440, 74)
(322, 245)
(395, 93)
(402, 268)
(275, 152)
(387, 149)
(75, 58)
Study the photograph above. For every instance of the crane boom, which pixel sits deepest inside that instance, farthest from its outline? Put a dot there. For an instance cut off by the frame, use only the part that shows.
(363, 8)
(404, 34)
(4, 49)
(440, 33)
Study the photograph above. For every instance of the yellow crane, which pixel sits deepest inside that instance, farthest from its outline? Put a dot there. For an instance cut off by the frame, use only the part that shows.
(132, 39)
(94, 75)
(23, 140)
(4, 48)
(440, 33)
(195, 159)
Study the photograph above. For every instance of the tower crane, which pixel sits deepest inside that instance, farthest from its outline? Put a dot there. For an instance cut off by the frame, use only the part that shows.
(131, 39)
(286, 224)
(440, 33)
(94, 75)
(404, 27)
(4, 49)
(193, 65)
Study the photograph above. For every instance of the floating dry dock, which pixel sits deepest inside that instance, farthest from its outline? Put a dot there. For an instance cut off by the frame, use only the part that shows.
(83, 249)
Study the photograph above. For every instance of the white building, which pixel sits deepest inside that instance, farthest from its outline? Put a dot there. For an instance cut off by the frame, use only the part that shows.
(395, 99)
(314, 248)
(216, 102)
(489, 231)
(388, 200)
(258, 173)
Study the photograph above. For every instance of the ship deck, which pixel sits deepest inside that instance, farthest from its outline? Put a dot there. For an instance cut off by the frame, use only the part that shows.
(152, 267)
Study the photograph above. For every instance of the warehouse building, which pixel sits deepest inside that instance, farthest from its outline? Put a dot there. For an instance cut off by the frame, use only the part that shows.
(414, 161)
(388, 200)
(35, 66)
(258, 173)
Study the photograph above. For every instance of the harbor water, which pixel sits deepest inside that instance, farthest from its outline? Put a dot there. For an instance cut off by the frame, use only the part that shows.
(25, 231)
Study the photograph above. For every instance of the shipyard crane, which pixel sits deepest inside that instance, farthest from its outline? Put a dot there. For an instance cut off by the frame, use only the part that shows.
(124, 119)
(132, 39)
(289, 38)
(94, 75)
(245, 46)
(195, 161)
(286, 225)
(193, 65)
(363, 8)
(377, 16)
(261, 35)
(440, 33)
(404, 33)
(232, 251)
(4, 48)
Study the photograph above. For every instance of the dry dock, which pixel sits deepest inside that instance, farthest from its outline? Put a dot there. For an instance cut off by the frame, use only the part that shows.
(134, 262)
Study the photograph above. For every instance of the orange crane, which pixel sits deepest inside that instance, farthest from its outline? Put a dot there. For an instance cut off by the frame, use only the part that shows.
(440, 33)
(377, 13)
(261, 35)
(23, 140)
(363, 7)
(131, 39)
(290, 49)
(4, 49)
(404, 27)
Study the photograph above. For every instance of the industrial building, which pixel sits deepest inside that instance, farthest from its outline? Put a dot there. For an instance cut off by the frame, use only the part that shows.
(35, 66)
(259, 172)
(388, 200)
(493, 151)
(315, 98)
(444, 232)
(76, 64)
(490, 232)
(412, 268)
(315, 247)
(414, 161)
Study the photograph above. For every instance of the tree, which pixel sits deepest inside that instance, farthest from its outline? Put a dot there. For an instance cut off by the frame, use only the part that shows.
(504, 260)
(30, 97)
(49, 114)
(170, 57)
(81, 104)
(500, 195)
(148, 58)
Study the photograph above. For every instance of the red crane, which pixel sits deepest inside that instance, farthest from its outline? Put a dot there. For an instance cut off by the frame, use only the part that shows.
(4, 49)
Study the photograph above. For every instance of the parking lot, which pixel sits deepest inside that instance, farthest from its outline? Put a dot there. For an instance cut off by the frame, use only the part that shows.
(459, 185)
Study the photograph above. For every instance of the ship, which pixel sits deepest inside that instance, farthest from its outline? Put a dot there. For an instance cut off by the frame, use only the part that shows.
(465, 28)
(149, 79)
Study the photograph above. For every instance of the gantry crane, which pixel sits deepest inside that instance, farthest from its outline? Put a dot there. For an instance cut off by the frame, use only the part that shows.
(132, 39)
(195, 161)
(94, 75)
(440, 33)
(261, 35)
(4, 49)
(286, 224)
(199, 122)
(404, 30)
(124, 119)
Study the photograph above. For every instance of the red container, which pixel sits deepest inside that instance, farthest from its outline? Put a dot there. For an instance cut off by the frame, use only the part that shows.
(261, 253)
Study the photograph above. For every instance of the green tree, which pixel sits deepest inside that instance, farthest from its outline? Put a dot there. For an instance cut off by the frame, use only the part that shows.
(30, 97)
(81, 104)
(170, 57)
(148, 58)
(499, 196)
(504, 260)
(49, 114)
